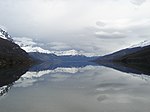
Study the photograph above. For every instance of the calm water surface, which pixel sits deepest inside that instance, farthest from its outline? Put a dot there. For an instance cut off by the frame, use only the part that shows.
(87, 89)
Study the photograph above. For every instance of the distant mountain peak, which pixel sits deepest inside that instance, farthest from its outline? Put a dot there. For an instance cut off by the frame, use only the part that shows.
(71, 52)
(29, 45)
(4, 35)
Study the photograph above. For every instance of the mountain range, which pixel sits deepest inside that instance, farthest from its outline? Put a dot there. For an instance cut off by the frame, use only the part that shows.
(36, 52)
(24, 50)
(30, 45)
(135, 59)
(139, 53)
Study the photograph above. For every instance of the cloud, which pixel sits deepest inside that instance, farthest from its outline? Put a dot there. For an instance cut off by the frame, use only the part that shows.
(110, 35)
(138, 2)
(58, 46)
(122, 28)
(101, 23)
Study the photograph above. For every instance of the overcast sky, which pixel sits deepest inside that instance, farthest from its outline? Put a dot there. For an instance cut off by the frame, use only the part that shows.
(93, 26)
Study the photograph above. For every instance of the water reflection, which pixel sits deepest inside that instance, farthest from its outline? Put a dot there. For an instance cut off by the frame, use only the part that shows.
(5, 89)
(136, 68)
(76, 87)
(24, 76)
(8, 76)
(27, 76)
(56, 72)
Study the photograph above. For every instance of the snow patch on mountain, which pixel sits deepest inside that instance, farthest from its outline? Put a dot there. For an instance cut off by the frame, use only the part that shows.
(142, 44)
(4, 35)
(68, 52)
(29, 45)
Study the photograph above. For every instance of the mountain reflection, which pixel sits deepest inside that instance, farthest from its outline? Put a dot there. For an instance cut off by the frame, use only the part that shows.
(135, 68)
(27, 76)
(24, 76)
(56, 72)
(8, 76)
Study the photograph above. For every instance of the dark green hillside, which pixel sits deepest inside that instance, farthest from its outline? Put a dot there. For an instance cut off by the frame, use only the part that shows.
(12, 54)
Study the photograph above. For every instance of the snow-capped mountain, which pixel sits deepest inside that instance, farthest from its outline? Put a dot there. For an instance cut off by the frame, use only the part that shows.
(11, 53)
(141, 44)
(139, 52)
(29, 45)
(131, 60)
(4, 35)
(68, 52)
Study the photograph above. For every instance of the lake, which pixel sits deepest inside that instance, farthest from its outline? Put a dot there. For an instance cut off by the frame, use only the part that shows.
(90, 88)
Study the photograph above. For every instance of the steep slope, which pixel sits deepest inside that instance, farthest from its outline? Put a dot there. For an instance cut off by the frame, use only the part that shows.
(138, 54)
(4, 34)
(141, 56)
(11, 53)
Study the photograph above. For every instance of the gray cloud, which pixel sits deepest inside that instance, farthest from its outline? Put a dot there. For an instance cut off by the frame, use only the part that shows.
(110, 35)
(138, 2)
(59, 46)
(123, 28)
(100, 23)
